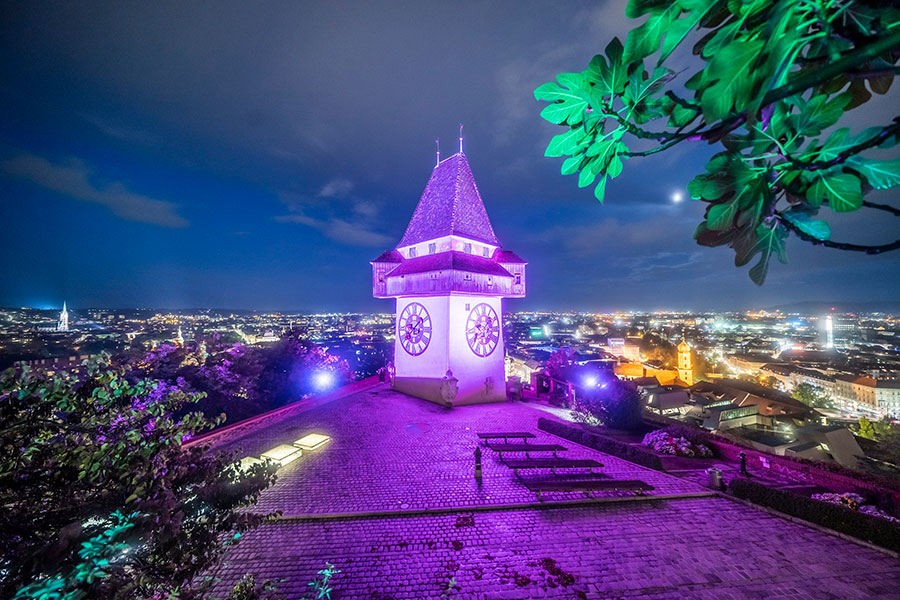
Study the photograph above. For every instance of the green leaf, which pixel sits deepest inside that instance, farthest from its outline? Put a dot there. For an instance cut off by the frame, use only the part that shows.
(609, 77)
(570, 165)
(586, 177)
(569, 98)
(819, 114)
(730, 78)
(600, 190)
(636, 8)
(843, 191)
(764, 241)
(644, 40)
(880, 174)
(815, 227)
(721, 216)
(566, 143)
(679, 28)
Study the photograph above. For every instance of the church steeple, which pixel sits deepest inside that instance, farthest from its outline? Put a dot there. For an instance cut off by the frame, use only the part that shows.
(685, 361)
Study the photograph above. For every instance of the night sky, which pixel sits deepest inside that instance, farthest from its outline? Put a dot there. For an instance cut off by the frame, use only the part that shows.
(258, 155)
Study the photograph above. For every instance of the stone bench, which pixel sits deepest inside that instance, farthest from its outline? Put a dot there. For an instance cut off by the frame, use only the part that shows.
(552, 463)
(522, 435)
(527, 448)
(586, 485)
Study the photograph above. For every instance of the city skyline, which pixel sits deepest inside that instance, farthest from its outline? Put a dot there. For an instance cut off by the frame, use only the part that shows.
(125, 186)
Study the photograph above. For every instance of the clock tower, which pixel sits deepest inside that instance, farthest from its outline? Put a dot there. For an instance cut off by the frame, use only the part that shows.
(449, 275)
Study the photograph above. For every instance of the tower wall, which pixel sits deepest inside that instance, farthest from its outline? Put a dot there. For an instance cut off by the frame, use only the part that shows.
(479, 379)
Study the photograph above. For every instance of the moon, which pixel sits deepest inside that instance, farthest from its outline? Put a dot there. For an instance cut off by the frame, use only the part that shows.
(676, 197)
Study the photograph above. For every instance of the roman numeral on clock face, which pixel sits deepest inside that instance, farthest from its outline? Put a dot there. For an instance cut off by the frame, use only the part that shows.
(482, 329)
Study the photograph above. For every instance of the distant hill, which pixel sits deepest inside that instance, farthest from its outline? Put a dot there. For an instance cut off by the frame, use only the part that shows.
(814, 307)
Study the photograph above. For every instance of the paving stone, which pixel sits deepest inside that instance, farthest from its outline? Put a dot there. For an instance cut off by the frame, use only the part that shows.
(390, 452)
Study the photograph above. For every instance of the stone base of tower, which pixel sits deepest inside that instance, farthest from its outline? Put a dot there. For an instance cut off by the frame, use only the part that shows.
(449, 393)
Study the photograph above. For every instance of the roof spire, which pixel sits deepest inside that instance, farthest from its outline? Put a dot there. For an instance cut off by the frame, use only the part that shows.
(460, 138)
(437, 143)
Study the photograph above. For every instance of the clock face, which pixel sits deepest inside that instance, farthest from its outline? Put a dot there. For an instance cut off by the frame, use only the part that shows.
(414, 328)
(483, 329)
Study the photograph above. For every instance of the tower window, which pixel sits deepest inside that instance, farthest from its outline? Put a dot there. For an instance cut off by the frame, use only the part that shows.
(432, 248)
(380, 276)
(487, 252)
(467, 248)
(518, 279)
(412, 252)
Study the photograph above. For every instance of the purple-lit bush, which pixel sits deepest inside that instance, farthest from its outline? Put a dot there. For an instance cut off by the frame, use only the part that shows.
(243, 381)
(663, 442)
(614, 403)
(854, 502)
(99, 460)
(838, 517)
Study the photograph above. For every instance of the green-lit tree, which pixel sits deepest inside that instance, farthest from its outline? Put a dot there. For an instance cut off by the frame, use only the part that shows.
(866, 429)
(776, 78)
(812, 396)
(100, 498)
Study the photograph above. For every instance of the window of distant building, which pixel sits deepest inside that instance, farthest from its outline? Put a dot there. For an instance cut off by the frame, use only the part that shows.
(380, 276)
(467, 248)
(487, 252)
(432, 248)
(468, 277)
(412, 252)
(518, 279)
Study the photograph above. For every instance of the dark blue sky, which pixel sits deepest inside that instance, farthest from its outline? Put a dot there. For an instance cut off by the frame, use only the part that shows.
(258, 155)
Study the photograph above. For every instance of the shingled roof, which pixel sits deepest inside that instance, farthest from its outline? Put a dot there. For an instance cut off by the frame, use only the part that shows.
(450, 205)
(449, 261)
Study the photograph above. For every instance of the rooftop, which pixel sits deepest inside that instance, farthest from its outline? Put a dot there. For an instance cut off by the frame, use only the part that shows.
(392, 502)
(447, 261)
(450, 205)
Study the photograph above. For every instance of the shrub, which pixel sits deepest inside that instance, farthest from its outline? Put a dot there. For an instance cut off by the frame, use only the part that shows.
(616, 405)
(834, 516)
(665, 443)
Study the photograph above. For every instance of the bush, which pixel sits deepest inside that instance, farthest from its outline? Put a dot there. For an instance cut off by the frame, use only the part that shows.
(872, 529)
(663, 442)
(616, 405)
(635, 454)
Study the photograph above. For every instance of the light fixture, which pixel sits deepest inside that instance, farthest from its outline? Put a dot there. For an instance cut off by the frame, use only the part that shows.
(311, 441)
(282, 454)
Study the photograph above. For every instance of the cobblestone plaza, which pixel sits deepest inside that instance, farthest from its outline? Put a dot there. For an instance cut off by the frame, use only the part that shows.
(392, 501)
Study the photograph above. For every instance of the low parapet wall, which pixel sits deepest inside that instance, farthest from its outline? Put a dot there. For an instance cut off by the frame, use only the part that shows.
(839, 481)
(227, 433)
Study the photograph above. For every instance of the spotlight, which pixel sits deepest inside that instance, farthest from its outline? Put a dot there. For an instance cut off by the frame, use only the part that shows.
(323, 380)
(591, 381)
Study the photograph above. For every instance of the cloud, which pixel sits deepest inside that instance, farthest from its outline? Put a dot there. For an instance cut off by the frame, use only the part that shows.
(336, 188)
(73, 179)
(336, 214)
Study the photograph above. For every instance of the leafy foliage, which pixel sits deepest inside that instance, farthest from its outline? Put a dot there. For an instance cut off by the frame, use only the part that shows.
(240, 380)
(776, 79)
(78, 454)
(812, 396)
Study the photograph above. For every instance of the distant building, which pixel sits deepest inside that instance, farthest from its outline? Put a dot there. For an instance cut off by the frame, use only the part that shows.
(867, 393)
(685, 362)
(63, 319)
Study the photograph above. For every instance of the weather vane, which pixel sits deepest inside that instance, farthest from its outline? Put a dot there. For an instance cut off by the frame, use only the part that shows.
(437, 144)
(460, 137)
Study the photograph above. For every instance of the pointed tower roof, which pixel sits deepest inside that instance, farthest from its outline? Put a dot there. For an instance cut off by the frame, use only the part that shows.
(450, 205)
(683, 346)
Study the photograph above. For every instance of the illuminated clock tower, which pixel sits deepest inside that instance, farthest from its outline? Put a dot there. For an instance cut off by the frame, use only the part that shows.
(448, 275)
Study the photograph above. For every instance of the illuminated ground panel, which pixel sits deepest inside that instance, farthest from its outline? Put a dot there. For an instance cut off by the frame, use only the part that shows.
(282, 454)
(392, 502)
(311, 441)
